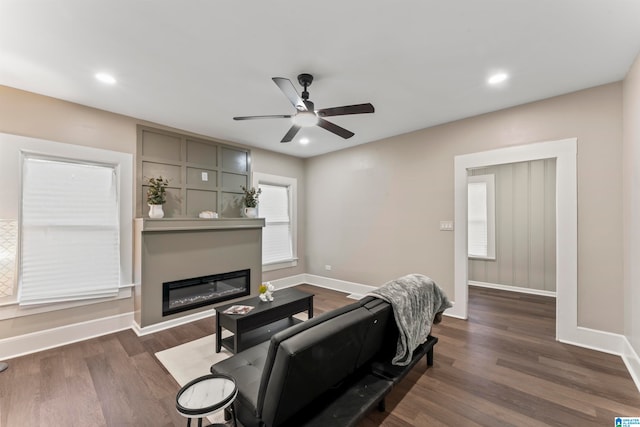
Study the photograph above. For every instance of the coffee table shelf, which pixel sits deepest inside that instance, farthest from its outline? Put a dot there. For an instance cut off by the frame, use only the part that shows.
(266, 319)
(261, 334)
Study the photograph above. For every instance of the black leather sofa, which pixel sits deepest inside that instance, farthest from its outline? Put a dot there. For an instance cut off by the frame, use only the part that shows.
(330, 370)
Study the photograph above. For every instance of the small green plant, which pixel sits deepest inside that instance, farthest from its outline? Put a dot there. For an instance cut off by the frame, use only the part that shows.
(250, 198)
(156, 194)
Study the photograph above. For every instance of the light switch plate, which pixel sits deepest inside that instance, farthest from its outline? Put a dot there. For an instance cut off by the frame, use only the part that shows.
(205, 176)
(446, 225)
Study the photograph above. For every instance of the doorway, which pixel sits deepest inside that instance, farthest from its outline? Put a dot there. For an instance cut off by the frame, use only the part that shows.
(564, 151)
(512, 227)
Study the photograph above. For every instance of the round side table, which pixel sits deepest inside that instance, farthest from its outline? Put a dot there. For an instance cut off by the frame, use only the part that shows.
(205, 396)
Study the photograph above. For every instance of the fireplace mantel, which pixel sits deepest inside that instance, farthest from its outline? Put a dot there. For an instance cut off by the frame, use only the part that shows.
(188, 224)
(171, 249)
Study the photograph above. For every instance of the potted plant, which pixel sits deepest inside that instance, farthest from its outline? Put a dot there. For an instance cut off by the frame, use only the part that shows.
(250, 202)
(156, 196)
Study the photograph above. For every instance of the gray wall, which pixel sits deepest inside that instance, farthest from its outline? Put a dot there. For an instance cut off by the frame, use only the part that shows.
(29, 114)
(525, 227)
(631, 217)
(373, 211)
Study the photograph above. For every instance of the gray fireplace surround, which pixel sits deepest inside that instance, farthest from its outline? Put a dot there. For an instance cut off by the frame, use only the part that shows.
(175, 249)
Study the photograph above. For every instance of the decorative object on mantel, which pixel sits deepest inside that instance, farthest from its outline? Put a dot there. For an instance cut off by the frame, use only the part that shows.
(156, 196)
(208, 215)
(250, 202)
(266, 292)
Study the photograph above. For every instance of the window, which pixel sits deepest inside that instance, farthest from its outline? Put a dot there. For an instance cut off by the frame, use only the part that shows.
(481, 217)
(70, 232)
(277, 207)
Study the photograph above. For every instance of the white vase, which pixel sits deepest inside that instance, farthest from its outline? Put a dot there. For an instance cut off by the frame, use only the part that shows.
(155, 211)
(249, 212)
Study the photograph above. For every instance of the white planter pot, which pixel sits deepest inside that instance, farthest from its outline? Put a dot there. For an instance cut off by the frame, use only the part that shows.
(155, 211)
(249, 212)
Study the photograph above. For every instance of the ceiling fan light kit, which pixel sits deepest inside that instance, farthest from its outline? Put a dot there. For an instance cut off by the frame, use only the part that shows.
(306, 115)
(305, 119)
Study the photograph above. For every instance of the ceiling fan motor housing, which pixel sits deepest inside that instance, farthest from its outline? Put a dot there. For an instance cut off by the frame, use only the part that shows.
(306, 115)
(305, 79)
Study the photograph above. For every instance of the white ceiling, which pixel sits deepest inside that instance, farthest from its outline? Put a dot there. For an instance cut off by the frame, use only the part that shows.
(194, 64)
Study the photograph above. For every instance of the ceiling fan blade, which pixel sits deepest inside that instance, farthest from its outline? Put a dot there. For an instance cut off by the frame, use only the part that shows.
(275, 116)
(346, 109)
(331, 127)
(292, 132)
(289, 91)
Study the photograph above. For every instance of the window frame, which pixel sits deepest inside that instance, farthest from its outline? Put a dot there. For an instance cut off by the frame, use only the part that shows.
(13, 148)
(292, 186)
(489, 181)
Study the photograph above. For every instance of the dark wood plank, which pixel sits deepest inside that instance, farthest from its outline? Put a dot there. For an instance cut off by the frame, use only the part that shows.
(501, 367)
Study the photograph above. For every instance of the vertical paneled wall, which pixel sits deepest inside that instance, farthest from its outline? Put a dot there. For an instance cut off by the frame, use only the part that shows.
(203, 175)
(525, 227)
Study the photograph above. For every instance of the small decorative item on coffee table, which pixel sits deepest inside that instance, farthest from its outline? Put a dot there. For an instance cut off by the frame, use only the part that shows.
(266, 292)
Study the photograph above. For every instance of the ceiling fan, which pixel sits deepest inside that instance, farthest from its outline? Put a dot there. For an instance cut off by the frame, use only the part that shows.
(306, 114)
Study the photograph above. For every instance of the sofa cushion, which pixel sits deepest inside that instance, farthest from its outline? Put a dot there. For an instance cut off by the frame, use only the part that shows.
(246, 368)
(311, 362)
(380, 327)
(276, 339)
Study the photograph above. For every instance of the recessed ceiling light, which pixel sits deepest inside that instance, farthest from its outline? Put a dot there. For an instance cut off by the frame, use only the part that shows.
(304, 141)
(106, 78)
(497, 78)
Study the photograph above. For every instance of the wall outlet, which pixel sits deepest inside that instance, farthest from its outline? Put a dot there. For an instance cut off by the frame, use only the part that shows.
(327, 267)
(205, 176)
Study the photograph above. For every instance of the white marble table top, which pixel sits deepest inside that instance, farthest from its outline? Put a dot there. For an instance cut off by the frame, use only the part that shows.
(209, 395)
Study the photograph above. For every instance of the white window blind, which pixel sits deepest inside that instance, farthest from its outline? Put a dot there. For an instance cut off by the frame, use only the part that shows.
(276, 235)
(481, 217)
(70, 232)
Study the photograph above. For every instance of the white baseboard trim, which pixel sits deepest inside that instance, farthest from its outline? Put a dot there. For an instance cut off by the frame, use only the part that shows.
(141, 331)
(287, 282)
(632, 362)
(42, 340)
(63, 335)
(511, 288)
(610, 343)
(605, 342)
(339, 285)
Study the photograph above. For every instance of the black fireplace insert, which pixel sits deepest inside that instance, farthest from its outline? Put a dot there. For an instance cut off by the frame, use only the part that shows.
(182, 295)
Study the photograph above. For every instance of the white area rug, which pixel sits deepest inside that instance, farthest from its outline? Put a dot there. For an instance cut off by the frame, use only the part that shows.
(193, 359)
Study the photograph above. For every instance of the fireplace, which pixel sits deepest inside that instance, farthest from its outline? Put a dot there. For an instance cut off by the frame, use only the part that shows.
(182, 295)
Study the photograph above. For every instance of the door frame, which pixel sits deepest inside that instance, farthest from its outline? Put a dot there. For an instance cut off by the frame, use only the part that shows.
(565, 153)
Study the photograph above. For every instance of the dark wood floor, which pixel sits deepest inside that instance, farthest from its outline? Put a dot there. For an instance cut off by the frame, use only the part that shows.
(502, 367)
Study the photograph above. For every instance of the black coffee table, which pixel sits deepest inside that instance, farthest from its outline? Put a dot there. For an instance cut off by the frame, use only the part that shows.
(266, 319)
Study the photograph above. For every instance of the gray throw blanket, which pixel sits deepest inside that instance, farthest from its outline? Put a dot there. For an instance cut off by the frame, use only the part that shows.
(415, 300)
